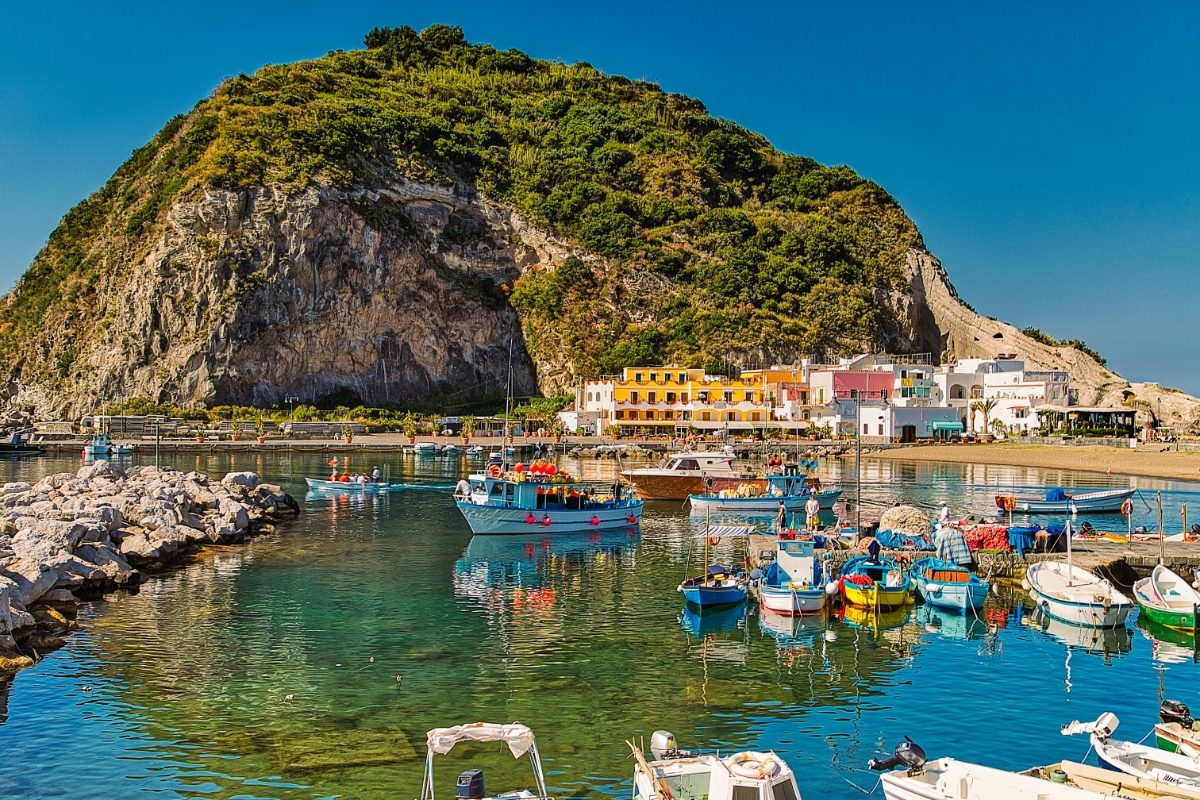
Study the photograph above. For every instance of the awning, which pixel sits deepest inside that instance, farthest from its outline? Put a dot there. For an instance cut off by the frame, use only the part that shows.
(941, 425)
(517, 736)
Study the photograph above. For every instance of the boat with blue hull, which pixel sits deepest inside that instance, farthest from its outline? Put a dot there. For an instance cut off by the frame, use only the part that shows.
(950, 586)
(752, 498)
(721, 584)
(794, 582)
(514, 503)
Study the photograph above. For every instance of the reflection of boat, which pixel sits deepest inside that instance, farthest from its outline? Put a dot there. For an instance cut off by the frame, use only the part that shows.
(794, 582)
(1167, 599)
(871, 620)
(1058, 501)
(1171, 772)
(682, 775)
(876, 583)
(516, 736)
(790, 630)
(717, 620)
(1075, 595)
(1103, 641)
(685, 473)
(949, 586)
(511, 503)
(1167, 645)
(950, 624)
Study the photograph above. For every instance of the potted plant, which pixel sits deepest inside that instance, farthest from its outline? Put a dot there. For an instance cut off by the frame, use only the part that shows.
(410, 430)
(557, 427)
(468, 429)
(348, 433)
(260, 429)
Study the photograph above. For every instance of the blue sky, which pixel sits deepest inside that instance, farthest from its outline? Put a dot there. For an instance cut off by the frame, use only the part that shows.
(1047, 151)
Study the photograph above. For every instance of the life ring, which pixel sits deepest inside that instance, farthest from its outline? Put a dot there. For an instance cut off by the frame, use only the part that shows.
(1127, 507)
(714, 540)
(754, 765)
(494, 471)
(1010, 503)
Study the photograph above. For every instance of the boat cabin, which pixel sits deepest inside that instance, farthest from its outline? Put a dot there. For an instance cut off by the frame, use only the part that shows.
(796, 562)
(488, 491)
(699, 462)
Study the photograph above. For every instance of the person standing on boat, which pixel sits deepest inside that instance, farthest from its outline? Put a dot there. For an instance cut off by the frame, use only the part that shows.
(812, 511)
(943, 514)
(333, 476)
(781, 519)
(462, 489)
(375, 474)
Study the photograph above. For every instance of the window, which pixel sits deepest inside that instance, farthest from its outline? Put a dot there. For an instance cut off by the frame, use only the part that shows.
(881, 429)
(748, 397)
(633, 397)
(653, 377)
(866, 431)
(670, 397)
(784, 790)
(683, 398)
(821, 395)
(957, 392)
(728, 397)
(637, 376)
(682, 377)
(687, 463)
(976, 392)
(651, 397)
(745, 792)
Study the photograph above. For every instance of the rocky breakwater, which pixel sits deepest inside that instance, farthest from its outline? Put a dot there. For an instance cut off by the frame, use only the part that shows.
(73, 536)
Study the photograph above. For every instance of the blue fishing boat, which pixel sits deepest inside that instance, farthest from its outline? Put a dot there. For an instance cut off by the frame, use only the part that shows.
(515, 502)
(875, 582)
(720, 584)
(949, 586)
(794, 582)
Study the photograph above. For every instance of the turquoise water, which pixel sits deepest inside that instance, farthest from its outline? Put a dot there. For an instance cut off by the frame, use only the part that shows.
(182, 689)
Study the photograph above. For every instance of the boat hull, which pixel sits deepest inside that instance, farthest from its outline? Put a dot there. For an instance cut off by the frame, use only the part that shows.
(349, 486)
(762, 504)
(486, 520)
(946, 586)
(792, 602)
(1174, 738)
(1079, 606)
(676, 487)
(875, 596)
(713, 596)
(1089, 503)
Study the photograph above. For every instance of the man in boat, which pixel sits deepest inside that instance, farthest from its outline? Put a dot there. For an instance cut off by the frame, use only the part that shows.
(375, 474)
(812, 511)
(951, 545)
(781, 519)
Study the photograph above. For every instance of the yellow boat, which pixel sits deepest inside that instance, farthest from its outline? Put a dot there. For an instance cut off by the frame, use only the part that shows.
(889, 587)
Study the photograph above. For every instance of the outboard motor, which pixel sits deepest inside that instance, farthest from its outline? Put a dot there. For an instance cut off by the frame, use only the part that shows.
(663, 745)
(907, 754)
(1174, 711)
(470, 785)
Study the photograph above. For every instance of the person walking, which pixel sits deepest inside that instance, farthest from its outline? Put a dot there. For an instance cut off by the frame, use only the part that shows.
(812, 511)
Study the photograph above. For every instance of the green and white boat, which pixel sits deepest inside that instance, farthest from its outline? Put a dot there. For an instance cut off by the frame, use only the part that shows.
(1167, 599)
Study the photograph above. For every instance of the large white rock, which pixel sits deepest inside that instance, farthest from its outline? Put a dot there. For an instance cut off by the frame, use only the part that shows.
(100, 469)
(246, 480)
(905, 519)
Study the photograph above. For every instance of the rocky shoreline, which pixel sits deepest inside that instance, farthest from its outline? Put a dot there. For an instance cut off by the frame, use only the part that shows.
(73, 536)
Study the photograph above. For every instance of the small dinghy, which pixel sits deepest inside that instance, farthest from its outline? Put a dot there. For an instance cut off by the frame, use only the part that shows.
(470, 784)
(1175, 774)
(676, 774)
(949, 586)
(1167, 599)
(1176, 731)
(1075, 595)
(875, 583)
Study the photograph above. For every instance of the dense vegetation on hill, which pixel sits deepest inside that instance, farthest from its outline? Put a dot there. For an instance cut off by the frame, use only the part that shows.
(737, 248)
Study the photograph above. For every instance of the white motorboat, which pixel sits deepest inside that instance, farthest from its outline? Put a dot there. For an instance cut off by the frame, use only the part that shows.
(1075, 595)
(425, 448)
(909, 776)
(794, 583)
(1176, 774)
(681, 474)
(470, 784)
(451, 450)
(676, 774)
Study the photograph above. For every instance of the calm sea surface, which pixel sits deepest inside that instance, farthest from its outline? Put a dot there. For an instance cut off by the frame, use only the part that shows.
(381, 618)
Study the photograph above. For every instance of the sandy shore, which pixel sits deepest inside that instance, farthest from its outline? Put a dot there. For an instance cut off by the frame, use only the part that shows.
(1170, 464)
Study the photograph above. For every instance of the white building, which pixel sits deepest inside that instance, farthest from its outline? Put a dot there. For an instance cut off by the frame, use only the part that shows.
(1009, 392)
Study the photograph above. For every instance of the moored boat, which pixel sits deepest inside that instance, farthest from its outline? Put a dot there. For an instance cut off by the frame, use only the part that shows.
(752, 498)
(425, 448)
(875, 583)
(1074, 595)
(676, 774)
(1167, 599)
(99, 444)
(517, 502)
(1171, 772)
(794, 582)
(949, 586)
(317, 484)
(720, 585)
(470, 784)
(1176, 731)
(1057, 501)
(684, 473)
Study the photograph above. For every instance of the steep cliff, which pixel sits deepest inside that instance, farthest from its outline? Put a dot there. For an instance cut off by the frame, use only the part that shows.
(384, 223)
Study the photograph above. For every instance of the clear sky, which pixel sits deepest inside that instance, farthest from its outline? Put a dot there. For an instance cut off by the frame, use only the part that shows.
(1047, 151)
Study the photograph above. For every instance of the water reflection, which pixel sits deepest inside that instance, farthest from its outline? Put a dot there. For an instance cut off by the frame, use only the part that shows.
(1167, 645)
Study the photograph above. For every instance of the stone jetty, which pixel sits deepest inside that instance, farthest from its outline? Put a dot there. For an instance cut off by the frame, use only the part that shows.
(73, 536)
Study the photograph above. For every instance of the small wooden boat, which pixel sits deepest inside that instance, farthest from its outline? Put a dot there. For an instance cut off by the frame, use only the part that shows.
(794, 582)
(949, 586)
(519, 741)
(1176, 731)
(875, 583)
(1168, 772)
(425, 448)
(1074, 595)
(316, 484)
(676, 774)
(1107, 782)
(1057, 501)
(718, 586)
(1167, 599)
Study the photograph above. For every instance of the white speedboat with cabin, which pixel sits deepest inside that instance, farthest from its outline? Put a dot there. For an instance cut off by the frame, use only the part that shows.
(470, 784)
(1172, 773)
(676, 774)
(516, 502)
(99, 445)
(1075, 595)
(908, 776)
(681, 474)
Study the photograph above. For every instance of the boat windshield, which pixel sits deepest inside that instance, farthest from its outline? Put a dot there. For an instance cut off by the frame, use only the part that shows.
(741, 792)
(687, 463)
(693, 786)
(784, 790)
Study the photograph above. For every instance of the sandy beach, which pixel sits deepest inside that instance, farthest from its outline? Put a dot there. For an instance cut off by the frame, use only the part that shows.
(1169, 464)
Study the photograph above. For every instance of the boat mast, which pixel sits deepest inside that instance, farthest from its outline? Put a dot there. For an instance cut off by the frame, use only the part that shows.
(507, 405)
(1070, 568)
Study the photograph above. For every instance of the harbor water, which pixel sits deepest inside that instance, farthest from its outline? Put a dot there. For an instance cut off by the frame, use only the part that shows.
(310, 663)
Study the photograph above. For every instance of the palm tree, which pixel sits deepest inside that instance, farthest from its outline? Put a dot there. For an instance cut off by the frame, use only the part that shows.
(984, 407)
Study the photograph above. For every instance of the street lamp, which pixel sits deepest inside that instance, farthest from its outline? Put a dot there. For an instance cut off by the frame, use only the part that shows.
(291, 400)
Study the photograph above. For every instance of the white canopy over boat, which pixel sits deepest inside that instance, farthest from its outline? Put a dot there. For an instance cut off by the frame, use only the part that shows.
(518, 737)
